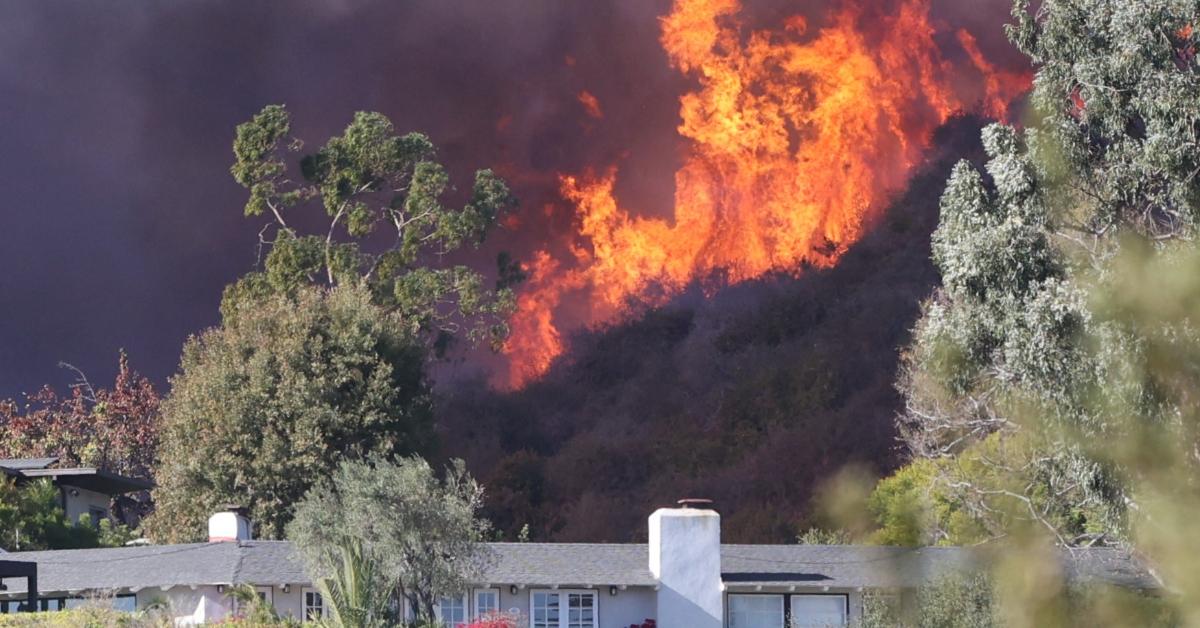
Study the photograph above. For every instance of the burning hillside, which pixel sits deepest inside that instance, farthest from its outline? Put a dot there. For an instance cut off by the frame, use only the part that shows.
(795, 137)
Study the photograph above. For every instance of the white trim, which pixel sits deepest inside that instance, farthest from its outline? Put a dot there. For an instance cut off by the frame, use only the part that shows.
(304, 591)
(466, 607)
(564, 610)
(476, 613)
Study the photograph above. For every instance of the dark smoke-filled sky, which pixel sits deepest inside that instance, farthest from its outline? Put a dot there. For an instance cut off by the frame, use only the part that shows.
(119, 221)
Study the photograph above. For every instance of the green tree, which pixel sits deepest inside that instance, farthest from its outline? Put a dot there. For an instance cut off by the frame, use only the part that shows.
(952, 601)
(418, 536)
(271, 402)
(1012, 334)
(379, 196)
(358, 594)
(1118, 94)
(115, 429)
(32, 518)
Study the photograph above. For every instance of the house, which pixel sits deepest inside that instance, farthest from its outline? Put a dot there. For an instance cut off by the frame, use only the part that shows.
(683, 578)
(83, 490)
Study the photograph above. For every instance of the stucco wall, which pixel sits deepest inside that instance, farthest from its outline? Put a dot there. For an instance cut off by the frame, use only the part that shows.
(77, 505)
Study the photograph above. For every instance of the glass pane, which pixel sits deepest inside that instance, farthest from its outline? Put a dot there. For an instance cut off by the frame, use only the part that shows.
(312, 605)
(581, 613)
(545, 610)
(818, 611)
(452, 610)
(755, 611)
(486, 602)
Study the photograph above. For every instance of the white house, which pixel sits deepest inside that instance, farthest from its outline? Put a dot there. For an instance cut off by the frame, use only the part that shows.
(683, 578)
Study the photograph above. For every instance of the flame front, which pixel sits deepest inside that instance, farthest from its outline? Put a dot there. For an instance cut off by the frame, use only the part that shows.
(795, 139)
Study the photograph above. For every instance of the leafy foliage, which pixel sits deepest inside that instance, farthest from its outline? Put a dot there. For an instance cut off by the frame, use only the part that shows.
(947, 602)
(250, 607)
(379, 528)
(983, 600)
(1012, 334)
(366, 181)
(31, 518)
(273, 401)
(1118, 92)
(356, 591)
(115, 429)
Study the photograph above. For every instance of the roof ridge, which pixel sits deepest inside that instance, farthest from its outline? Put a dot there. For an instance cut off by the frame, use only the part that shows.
(235, 577)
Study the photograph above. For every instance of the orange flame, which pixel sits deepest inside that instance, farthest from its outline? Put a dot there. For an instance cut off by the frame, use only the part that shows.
(591, 104)
(795, 140)
(1000, 85)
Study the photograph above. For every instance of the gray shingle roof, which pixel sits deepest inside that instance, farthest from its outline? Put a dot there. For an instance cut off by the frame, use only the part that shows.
(853, 566)
(27, 463)
(569, 564)
(536, 564)
(265, 562)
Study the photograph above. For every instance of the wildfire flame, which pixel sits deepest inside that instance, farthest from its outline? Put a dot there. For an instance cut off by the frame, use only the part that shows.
(795, 140)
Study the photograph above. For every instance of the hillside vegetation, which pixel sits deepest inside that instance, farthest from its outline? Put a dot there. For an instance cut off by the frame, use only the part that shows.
(749, 397)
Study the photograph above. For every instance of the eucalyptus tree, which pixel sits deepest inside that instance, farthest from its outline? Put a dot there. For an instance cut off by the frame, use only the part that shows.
(1010, 363)
(369, 207)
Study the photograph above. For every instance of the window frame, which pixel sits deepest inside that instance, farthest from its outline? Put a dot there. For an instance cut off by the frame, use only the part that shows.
(476, 613)
(787, 603)
(465, 599)
(783, 605)
(304, 606)
(564, 609)
(845, 605)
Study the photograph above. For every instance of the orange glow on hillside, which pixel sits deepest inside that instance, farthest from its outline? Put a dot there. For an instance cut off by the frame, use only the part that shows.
(795, 137)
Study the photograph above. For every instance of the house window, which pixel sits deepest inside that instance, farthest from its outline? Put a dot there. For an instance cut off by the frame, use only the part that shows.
(756, 611)
(314, 606)
(487, 602)
(581, 610)
(544, 610)
(97, 515)
(126, 603)
(452, 611)
(563, 609)
(265, 594)
(818, 611)
(52, 604)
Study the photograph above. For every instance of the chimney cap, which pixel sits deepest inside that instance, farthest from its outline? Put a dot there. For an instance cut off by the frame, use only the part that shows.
(695, 502)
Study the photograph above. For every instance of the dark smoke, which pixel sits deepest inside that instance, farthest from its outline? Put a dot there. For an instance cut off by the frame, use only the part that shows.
(120, 223)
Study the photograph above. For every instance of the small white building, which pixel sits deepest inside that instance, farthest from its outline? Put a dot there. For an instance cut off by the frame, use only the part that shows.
(683, 578)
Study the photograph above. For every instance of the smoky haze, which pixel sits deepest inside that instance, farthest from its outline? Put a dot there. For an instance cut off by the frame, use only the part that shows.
(120, 224)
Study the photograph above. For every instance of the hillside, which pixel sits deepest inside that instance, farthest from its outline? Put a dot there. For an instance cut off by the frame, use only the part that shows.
(750, 396)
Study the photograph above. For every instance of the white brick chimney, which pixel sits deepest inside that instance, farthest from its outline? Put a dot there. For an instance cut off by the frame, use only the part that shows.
(229, 524)
(685, 557)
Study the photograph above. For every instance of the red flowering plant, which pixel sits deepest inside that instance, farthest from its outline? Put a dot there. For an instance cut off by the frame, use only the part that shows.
(649, 623)
(495, 620)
